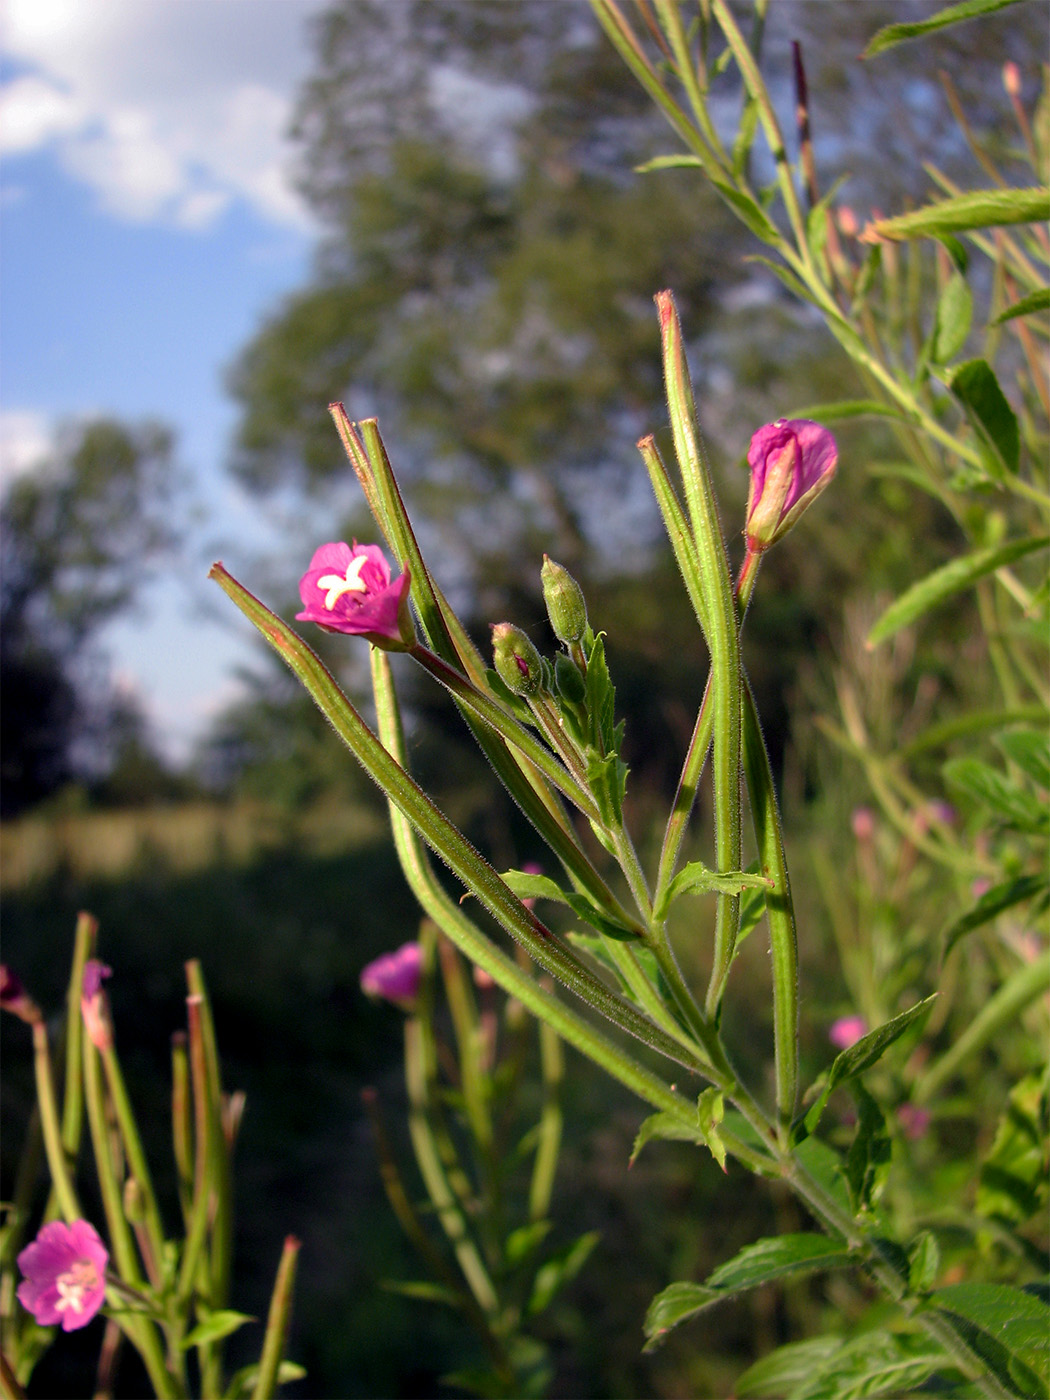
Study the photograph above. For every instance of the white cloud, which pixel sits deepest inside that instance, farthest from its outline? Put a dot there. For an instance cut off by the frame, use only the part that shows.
(32, 111)
(169, 110)
(25, 439)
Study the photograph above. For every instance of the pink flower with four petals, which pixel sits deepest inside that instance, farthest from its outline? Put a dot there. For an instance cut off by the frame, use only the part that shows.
(65, 1275)
(348, 589)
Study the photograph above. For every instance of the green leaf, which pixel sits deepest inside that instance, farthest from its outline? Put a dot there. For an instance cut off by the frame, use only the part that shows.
(756, 1264)
(664, 1125)
(963, 212)
(242, 1382)
(868, 1159)
(777, 1257)
(215, 1325)
(924, 1262)
(777, 1374)
(992, 903)
(1008, 1327)
(975, 386)
(893, 34)
(854, 1060)
(877, 1363)
(1035, 301)
(527, 885)
(695, 878)
(557, 1271)
(671, 162)
(675, 1304)
(424, 1291)
(1030, 751)
(749, 212)
(870, 1048)
(946, 581)
(1013, 805)
(953, 318)
(525, 1240)
(710, 1110)
(850, 408)
(1013, 1184)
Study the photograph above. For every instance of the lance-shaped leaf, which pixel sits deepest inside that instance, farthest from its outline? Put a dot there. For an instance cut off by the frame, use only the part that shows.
(756, 1264)
(1008, 1328)
(975, 386)
(995, 902)
(962, 212)
(945, 582)
(860, 1057)
(695, 878)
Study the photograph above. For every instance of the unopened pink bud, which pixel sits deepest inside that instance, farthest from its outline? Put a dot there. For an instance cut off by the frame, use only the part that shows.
(94, 1006)
(15, 998)
(847, 222)
(791, 460)
(863, 823)
(1012, 79)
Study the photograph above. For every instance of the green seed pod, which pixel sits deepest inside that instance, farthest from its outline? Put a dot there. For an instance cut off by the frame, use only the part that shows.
(571, 685)
(518, 664)
(566, 607)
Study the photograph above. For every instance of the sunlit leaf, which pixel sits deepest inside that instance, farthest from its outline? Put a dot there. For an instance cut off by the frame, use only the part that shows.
(946, 581)
(893, 34)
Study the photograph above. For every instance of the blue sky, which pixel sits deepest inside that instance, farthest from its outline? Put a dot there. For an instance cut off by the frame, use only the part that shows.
(149, 222)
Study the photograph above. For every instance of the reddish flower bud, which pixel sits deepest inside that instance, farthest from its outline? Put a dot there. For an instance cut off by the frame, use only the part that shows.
(791, 461)
(518, 664)
(15, 998)
(94, 1006)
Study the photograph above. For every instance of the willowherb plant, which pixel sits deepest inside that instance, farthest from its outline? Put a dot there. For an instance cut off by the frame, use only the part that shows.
(548, 726)
(165, 1295)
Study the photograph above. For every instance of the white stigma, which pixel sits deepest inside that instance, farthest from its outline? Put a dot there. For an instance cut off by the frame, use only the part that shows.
(335, 585)
(79, 1278)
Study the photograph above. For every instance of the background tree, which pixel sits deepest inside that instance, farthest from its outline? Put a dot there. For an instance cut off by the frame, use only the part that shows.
(80, 537)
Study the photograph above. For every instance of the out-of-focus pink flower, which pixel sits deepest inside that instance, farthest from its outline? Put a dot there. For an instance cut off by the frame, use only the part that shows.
(863, 823)
(394, 975)
(980, 886)
(847, 1030)
(791, 461)
(1012, 79)
(94, 1006)
(531, 868)
(65, 1275)
(914, 1120)
(847, 221)
(348, 589)
(15, 998)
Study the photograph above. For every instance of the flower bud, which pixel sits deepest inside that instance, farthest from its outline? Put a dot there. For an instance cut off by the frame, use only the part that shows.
(566, 607)
(571, 685)
(791, 461)
(518, 664)
(94, 1005)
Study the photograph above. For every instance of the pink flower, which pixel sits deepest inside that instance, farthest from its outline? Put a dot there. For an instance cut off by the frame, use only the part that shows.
(349, 590)
(93, 1005)
(65, 1275)
(914, 1120)
(863, 823)
(791, 461)
(847, 1030)
(394, 975)
(14, 997)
